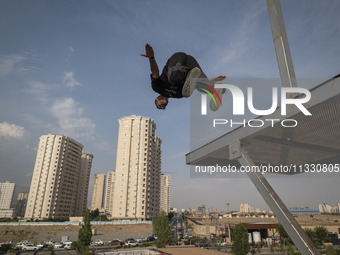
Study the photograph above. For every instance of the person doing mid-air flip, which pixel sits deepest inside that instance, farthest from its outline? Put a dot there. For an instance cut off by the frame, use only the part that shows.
(174, 81)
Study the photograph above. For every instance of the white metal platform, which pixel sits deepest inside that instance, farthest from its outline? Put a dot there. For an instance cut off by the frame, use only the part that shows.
(316, 138)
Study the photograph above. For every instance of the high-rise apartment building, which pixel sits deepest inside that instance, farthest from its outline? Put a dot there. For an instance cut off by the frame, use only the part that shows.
(97, 201)
(165, 193)
(110, 182)
(246, 208)
(83, 183)
(6, 196)
(60, 179)
(138, 164)
(21, 204)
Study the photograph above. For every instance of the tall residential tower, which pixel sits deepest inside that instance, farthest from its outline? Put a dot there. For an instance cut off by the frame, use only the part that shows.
(6, 197)
(60, 179)
(138, 164)
(97, 201)
(110, 182)
(165, 193)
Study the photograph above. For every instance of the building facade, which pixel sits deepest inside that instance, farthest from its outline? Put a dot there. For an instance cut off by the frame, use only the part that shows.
(60, 179)
(21, 204)
(97, 201)
(6, 197)
(246, 208)
(83, 184)
(110, 182)
(137, 177)
(165, 193)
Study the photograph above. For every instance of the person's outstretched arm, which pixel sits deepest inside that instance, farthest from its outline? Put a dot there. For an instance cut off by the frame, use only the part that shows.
(153, 64)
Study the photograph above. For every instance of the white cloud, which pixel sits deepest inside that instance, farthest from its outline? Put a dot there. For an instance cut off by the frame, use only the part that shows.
(9, 63)
(18, 63)
(39, 90)
(71, 120)
(70, 81)
(71, 49)
(12, 131)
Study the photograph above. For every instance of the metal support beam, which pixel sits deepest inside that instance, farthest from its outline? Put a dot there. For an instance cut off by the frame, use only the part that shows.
(283, 55)
(292, 227)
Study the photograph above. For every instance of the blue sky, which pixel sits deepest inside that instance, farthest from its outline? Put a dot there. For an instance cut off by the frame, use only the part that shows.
(73, 68)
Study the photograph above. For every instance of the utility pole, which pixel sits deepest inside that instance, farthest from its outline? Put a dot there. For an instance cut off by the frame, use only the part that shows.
(229, 237)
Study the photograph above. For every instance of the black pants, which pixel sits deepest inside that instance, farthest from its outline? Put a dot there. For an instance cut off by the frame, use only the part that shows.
(186, 60)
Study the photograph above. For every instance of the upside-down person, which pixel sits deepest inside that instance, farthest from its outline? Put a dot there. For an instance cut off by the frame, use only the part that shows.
(175, 79)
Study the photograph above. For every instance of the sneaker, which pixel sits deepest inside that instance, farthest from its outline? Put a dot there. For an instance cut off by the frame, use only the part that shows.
(194, 73)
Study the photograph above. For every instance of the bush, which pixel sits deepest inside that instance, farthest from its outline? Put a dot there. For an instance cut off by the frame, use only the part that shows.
(290, 249)
(330, 250)
(258, 247)
(5, 247)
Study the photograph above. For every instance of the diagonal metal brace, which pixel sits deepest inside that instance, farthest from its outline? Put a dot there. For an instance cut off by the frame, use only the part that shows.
(286, 219)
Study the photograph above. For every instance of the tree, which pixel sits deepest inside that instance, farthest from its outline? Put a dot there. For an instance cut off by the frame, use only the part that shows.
(281, 231)
(84, 235)
(162, 229)
(310, 233)
(330, 250)
(170, 215)
(94, 214)
(321, 233)
(240, 239)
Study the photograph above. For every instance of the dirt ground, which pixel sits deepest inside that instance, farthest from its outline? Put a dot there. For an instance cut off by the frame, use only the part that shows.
(54, 233)
(190, 251)
(303, 220)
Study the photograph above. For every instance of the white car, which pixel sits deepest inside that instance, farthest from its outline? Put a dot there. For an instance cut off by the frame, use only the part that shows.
(40, 245)
(131, 243)
(58, 245)
(97, 242)
(20, 244)
(67, 246)
(30, 247)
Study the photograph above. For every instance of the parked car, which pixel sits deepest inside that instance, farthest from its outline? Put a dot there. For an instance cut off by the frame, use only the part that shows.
(30, 247)
(201, 244)
(58, 245)
(67, 246)
(40, 245)
(97, 242)
(49, 242)
(131, 243)
(115, 242)
(20, 244)
(142, 239)
(151, 238)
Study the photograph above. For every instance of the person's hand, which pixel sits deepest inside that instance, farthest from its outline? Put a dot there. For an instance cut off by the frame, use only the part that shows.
(148, 51)
(218, 78)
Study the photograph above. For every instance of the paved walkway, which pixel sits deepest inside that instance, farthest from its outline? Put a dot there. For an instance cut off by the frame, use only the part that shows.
(191, 251)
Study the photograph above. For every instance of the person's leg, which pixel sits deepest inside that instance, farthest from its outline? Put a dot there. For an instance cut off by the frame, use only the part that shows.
(191, 63)
(178, 57)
